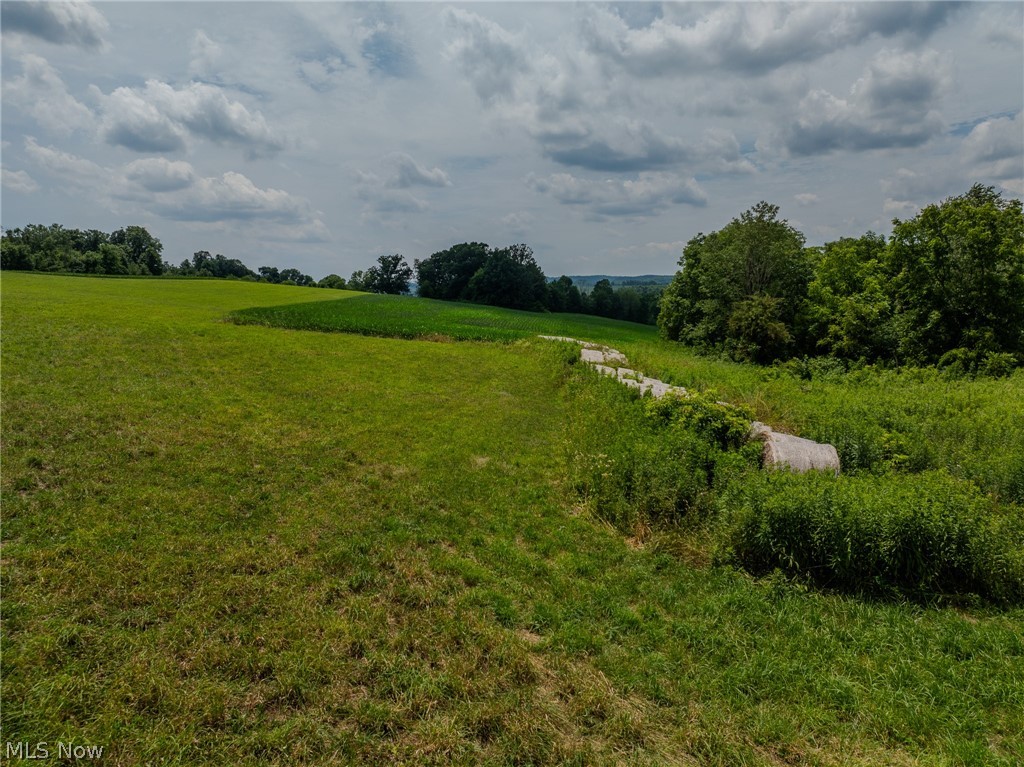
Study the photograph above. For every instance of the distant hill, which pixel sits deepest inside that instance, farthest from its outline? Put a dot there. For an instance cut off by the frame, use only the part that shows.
(587, 281)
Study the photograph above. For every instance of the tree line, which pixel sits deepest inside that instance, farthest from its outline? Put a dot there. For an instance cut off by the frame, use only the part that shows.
(131, 250)
(946, 288)
(509, 277)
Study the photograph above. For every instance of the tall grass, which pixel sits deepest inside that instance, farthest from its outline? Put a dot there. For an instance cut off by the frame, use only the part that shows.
(906, 421)
(684, 464)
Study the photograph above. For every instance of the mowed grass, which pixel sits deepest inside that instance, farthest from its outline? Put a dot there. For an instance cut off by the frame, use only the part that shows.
(408, 317)
(230, 544)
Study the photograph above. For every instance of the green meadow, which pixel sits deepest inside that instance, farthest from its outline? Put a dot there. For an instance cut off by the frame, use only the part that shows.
(230, 539)
(423, 318)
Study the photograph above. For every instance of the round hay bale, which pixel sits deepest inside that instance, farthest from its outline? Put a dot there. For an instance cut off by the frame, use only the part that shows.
(783, 451)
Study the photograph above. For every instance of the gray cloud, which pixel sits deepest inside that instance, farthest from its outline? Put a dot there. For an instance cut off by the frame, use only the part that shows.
(408, 172)
(232, 196)
(157, 118)
(637, 148)
(157, 174)
(41, 92)
(753, 38)
(997, 146)
(205, 54)
(18, 181)
(907, 191)
(892, 105)
(63, 23)
(173, 190)
(1001, 23)
(321, 70)
(994, 151)
(389, 191)
(568, 106)
(68, 167)
(627, 137)
(490, 56)
(130, 120)
(646, 195)
(387, 53)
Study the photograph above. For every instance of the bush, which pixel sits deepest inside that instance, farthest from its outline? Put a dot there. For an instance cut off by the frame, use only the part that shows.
(998, 365)
(651, 462)
(724, 425)
(923, 538)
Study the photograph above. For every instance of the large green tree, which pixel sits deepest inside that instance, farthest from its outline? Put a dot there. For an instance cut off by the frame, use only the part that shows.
(390, 275)
(564, 296)
(140, 248)
(446, 274)
(602, 300)
(741, 287)
(510, 277)
(849, 309)
(957, 276)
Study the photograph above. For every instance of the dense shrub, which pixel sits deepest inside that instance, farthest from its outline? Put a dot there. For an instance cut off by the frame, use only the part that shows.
(720, 423)
(944, 289)
(933, 535)
(642, 462)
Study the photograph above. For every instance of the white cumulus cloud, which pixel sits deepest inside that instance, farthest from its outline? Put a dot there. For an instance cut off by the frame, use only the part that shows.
(62, 23)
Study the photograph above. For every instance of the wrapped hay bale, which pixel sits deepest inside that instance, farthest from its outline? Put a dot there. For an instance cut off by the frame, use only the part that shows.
(795, 453)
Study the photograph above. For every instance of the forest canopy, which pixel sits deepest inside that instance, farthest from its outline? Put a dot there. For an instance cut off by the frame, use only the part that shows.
(947, 288)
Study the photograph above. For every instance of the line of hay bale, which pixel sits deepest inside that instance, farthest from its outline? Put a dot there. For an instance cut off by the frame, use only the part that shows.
(781, 451)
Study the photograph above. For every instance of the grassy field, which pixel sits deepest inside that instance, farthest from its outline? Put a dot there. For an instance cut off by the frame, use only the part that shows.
(238, 544)
(407, 317)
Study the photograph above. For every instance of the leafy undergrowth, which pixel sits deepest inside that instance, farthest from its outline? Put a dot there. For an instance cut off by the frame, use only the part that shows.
(230, 544)
(881, 421)
(645, 464)
(928, 536)
(407, 317)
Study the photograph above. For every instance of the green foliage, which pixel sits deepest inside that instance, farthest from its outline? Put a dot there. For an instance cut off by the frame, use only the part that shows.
(638, 303)
(933, 536)
(510, 277)
(756, 330)
(848, 312)
(446, 274)
(744, 283)
(910, 419)
(391, 275)
(958, 363)
(957, 272)
(563, 296)
(131, 250)
(205, 265)
(140, 248)
(651, 462)
(718, 422)
(602, 299)
(332, 281)
(949, 282)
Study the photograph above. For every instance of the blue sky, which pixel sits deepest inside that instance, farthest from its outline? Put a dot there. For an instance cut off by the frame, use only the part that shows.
(321, 135)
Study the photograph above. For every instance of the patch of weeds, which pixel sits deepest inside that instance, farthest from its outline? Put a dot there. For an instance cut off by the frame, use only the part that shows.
(925, 538)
